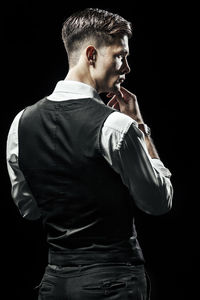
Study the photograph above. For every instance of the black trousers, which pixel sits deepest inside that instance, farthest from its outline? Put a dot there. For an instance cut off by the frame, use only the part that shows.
(109, 281)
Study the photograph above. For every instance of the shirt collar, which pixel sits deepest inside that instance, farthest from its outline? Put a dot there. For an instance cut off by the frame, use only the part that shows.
(68, 90)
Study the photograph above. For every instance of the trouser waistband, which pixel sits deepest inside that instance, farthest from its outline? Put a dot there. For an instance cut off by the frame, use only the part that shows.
(87, 257)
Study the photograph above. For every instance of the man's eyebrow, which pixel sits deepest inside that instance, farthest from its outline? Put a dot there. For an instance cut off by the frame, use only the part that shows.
(122, 52)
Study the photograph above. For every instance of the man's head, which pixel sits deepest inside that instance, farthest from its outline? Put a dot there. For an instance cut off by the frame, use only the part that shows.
(100, 39)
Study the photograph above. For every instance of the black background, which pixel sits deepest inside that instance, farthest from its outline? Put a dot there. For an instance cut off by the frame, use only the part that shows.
(33, 61)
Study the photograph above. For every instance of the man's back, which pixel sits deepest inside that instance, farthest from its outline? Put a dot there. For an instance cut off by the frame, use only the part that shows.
(83, 202)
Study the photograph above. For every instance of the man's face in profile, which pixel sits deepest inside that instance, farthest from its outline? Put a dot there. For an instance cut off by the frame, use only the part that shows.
(111, 65)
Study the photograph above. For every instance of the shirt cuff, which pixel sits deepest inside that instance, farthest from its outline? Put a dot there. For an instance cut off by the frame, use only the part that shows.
(159, 166)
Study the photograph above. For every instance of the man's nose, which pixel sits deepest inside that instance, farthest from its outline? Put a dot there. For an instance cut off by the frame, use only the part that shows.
(125, 67)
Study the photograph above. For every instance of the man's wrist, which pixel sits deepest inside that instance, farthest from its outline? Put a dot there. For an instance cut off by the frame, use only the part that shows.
(151, 147)
(145, 129)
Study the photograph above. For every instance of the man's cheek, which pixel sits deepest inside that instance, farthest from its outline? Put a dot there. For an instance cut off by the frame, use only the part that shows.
(117, 65)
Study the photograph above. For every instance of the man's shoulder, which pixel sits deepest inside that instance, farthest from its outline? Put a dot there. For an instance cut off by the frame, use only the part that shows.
(120, 122)
(14, 125)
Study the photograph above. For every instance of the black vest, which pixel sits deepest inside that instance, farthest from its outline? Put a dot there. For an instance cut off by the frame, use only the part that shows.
(84, 204)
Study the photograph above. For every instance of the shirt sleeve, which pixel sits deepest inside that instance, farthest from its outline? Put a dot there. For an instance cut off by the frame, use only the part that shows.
(147, 179)
(20, 190)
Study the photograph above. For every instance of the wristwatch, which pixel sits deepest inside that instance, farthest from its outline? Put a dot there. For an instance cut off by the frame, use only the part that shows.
(145, 129)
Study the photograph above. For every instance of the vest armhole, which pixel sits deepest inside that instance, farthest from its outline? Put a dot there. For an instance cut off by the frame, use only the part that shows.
(99, 148)
(19, 135)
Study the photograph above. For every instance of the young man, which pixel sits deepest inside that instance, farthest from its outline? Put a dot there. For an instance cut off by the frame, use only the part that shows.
(82, 166)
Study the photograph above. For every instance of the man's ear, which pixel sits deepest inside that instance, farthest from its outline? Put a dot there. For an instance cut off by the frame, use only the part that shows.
(91, 54)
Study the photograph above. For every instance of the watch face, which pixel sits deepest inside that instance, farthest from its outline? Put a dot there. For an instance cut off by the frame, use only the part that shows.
(145, 129)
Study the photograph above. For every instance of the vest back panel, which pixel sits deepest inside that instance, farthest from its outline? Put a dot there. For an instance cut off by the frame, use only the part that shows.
(82, 200)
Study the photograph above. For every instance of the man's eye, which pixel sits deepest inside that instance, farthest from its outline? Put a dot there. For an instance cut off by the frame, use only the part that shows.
(120, 56)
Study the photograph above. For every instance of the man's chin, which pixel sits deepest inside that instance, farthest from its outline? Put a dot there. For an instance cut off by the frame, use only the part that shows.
(115, 88)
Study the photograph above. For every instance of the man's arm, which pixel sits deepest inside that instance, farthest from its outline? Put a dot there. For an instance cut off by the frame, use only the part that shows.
(133, 155)
(127, 103)
(20, 190)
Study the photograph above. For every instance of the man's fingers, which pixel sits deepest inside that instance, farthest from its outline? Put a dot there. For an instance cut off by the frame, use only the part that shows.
(122, 96)
(112, 101)
(116, 106)
(126, 93)
(119, 95)
(110, 95)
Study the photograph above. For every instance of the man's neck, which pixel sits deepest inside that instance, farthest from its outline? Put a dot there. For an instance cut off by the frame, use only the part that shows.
(83, 76)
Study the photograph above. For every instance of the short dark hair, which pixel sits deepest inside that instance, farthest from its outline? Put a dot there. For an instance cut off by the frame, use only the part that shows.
(92, 23)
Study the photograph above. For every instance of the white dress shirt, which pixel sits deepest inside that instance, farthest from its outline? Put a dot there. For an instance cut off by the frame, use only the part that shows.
(123, 147)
